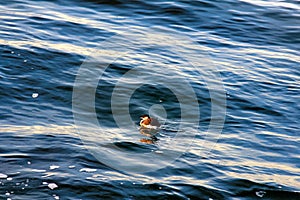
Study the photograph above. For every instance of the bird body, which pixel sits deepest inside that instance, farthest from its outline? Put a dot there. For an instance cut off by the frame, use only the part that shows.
(149, 122)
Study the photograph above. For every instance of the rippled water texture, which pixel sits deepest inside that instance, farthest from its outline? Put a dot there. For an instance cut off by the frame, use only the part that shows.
(76, 75)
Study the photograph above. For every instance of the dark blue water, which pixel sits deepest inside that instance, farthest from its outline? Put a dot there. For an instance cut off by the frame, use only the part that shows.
(221, 76)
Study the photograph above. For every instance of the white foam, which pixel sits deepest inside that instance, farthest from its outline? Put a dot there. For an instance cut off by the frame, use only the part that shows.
(87, 170)
(3, 175)
(52, 186)
(54, 167)
(260, 193)
(38, 170)
(35, 95)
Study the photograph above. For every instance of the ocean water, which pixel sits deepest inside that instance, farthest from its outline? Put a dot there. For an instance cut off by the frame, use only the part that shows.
(222, 77)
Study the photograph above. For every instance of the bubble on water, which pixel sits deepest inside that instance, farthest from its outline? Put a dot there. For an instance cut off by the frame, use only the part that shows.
(7, 193)
(25, 61)
(9, 178)
(12, 52)
(72, 166)
(44, 183)
(29, 161)
(55, 196)
(35, 95)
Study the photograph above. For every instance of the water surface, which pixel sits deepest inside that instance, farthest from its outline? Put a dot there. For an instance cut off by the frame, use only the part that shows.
(253, 45)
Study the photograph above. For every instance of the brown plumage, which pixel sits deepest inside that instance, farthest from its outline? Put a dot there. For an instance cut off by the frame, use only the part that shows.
(149, 122)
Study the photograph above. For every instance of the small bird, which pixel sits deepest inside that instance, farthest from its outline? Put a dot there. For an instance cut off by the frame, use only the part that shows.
(149, 122)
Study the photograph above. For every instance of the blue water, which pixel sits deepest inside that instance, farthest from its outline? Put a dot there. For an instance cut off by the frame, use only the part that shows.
(68, 133)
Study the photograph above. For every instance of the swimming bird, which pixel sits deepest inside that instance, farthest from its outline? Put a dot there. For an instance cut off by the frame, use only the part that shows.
(149, 122)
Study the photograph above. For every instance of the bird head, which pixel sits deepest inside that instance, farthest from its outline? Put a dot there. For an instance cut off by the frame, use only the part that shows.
(145, 120)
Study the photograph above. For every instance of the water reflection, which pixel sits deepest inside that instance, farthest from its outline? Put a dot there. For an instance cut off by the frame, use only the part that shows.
(150, 133)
